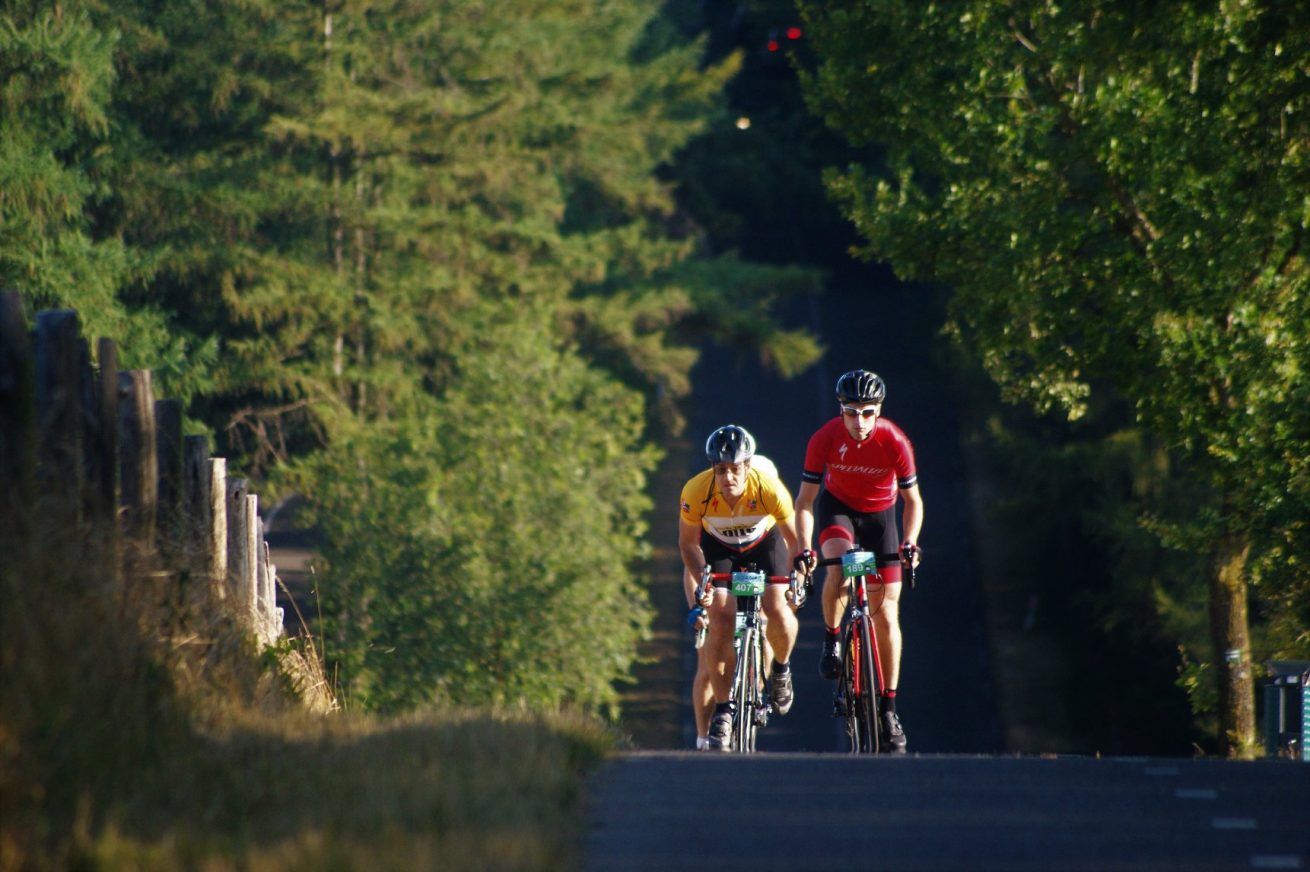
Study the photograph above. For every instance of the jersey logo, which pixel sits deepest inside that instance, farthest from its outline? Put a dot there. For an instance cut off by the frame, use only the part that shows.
(842, 451)
(753, 505)
(686, 506)
(863, 470)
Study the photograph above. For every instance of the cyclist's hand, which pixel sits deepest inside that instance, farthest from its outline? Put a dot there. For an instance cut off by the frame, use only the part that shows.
(696, 618)
(705, 596)
(805, 561)
(797, 592)
(911, 554)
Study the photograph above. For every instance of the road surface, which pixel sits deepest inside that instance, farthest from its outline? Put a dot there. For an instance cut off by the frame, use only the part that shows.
(667, 811)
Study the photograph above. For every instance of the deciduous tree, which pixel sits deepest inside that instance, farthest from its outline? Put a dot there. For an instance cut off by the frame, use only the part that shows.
(1117, 195)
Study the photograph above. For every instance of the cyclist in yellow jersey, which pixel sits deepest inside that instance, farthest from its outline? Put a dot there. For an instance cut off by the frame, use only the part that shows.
(702, 695)
(732, 516)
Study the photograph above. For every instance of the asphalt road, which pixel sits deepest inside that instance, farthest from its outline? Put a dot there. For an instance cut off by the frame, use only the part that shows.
(663, 811)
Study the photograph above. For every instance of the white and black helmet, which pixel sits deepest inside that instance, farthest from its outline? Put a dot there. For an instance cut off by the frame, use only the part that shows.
(729, 444)
(861, 386)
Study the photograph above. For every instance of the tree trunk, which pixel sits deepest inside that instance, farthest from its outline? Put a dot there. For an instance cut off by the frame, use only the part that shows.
(1230, 633)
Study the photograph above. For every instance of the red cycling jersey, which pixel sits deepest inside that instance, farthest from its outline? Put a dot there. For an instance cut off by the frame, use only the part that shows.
(863, 475)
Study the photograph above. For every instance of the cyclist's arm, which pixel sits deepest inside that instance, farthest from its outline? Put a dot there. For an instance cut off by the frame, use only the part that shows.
(805, 498)
(788, 528)
(693, 558)
(911, 514)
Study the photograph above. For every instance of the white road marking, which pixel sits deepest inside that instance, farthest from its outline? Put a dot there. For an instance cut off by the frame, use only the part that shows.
(1233, 823)
(1196, 793)
(1275, 861)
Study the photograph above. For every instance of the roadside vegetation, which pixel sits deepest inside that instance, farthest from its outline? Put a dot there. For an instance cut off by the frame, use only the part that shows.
(140, 731)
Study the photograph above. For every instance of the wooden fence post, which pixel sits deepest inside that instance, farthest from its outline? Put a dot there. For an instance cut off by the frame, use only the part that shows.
(239, 554)
(102, 438)
(17, 410)
(273, 613)
(216, 547)
(59, 407)
(140, 468)
(169, 477)
(251, 581)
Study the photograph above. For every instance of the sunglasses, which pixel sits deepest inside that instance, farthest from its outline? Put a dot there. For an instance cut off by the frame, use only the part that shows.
(851, 412)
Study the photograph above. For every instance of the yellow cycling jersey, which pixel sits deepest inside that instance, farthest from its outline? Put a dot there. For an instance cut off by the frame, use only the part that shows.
(764, 502)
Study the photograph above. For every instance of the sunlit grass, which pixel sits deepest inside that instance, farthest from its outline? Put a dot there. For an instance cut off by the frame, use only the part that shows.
(139, 731)
(438, 790)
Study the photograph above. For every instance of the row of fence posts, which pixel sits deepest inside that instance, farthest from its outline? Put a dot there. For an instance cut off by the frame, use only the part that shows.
(95, 437)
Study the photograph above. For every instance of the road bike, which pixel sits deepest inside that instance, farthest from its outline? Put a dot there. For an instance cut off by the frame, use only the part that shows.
(860, 682)
(751, 694)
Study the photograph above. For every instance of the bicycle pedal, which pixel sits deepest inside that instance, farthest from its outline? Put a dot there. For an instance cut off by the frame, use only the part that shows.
(762, 716)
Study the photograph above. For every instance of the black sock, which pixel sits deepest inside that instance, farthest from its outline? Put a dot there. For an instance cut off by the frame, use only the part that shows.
(781, 668)
(888, 702)
(723, 708)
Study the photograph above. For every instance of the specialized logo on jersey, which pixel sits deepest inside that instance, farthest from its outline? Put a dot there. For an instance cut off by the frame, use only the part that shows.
(842, 451)
(862, 470)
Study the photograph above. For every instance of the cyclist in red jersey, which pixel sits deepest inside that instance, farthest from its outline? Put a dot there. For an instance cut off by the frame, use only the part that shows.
(864, 462)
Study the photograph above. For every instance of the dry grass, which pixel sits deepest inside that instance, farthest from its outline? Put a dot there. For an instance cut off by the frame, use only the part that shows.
(140, 731)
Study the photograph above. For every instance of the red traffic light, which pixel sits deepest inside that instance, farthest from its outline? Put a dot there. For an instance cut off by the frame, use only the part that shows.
(794, 32)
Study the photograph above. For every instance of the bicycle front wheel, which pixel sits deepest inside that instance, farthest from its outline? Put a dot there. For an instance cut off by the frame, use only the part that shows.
(863, 689)
(744, 692)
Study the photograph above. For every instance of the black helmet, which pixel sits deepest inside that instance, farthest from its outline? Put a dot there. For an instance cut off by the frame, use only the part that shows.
(861, 386)
(729, 444)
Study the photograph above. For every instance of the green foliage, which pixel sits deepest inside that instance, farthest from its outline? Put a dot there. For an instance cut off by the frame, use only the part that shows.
(56, 74)
(325, 229)
(489, 560)
(1117, 197)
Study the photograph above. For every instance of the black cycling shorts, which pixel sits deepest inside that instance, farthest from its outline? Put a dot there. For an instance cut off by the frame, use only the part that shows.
(872, 531)
(767, 555)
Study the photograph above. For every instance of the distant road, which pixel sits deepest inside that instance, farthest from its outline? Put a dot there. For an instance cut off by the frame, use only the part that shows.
(664, 811)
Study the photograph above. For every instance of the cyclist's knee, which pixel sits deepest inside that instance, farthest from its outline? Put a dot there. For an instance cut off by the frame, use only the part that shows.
(888, 613)
(776, 607)
(723, 617)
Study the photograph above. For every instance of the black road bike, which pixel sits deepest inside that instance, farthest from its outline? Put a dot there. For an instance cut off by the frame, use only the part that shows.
(752, 694)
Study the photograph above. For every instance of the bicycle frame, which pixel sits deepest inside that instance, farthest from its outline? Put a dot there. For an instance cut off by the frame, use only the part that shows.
(750, 696)
(861, 680)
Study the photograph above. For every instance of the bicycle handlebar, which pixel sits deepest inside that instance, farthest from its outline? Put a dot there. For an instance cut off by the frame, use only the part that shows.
(727, 576)
(798, 585)
(907, 554)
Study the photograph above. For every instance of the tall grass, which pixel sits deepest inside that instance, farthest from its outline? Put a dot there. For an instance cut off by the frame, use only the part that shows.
(141, 729)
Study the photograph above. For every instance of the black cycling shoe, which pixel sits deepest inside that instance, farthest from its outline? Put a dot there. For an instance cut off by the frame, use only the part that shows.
(830, 661)
(892, 736)
(783, 694)
(720, 738)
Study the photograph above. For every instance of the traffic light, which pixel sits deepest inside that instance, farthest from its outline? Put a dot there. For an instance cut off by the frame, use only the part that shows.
(791, 33)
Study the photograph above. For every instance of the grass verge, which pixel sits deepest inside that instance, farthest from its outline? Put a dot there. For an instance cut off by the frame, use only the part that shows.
(141, 729)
